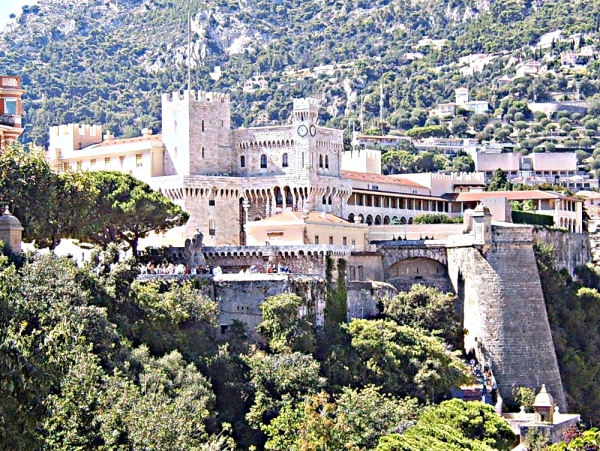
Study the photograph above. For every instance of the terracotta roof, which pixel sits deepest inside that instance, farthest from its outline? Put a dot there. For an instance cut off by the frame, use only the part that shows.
(114, 142)
(509, 195)
(296, 216)
(378, 178)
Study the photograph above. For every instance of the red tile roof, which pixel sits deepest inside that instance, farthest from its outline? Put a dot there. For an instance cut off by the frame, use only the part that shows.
(313, 216)
(378, 178)
(509, 195)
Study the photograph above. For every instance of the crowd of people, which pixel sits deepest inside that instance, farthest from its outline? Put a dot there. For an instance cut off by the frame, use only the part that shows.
(167, 268)
(485, 377)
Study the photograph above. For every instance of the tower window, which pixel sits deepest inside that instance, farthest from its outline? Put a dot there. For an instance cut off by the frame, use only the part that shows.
(320, 161)
(243, 161)
(263, 161)
(326, 161)
(316, 239)
(284, 160)
(211, 227)
(203, 126)
(203, 153)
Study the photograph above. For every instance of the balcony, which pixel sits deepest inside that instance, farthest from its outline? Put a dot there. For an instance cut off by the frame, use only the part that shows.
(10, 120)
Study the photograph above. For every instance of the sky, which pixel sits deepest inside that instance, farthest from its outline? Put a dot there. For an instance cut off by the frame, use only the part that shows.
(8, 7)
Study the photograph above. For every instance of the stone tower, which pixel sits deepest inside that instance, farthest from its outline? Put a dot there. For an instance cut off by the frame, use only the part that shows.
(196, 132)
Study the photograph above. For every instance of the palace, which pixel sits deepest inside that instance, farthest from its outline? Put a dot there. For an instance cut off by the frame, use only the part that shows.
(228, 178)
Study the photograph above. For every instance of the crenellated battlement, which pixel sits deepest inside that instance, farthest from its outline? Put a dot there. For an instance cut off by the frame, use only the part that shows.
(195, 96)
(80, 130)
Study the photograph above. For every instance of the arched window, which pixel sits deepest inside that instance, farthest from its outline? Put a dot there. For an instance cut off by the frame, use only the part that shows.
(320, 161)
(284, 160)
(263, 161)
(243, 161)
(326, 161)
(202, 152)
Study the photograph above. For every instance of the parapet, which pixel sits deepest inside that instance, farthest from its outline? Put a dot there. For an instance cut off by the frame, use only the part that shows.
(306, 103)
(80, 130)
(195, 96)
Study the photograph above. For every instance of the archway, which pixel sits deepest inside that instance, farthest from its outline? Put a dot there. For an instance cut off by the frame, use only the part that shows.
(422, 270)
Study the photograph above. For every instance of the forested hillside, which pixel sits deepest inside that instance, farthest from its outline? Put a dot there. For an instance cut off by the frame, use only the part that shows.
(107, 62)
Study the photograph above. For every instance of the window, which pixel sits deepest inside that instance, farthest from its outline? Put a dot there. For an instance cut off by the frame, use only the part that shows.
(211, 227)
(316, 239)
(106, 161)
(326, 161)
(284, 160)
(330, 240)
(320, 161)
(222, 124)
(10, 107)
(361, 273)
(345, 241)
(202, 126)
(263, 161)
(92, 162)
(121, 161)
(203, 152)
(79, 165)
(175, 127)
(243, 161)
(353, 242)
(138, 160)
(66, 166)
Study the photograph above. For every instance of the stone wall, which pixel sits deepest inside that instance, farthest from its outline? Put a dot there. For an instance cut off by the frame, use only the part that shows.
(363, 298)
(504, 311)
(569, 250)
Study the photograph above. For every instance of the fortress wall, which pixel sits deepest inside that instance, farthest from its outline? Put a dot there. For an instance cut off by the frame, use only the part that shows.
(569, 249)
(364, 296)
(504, 311)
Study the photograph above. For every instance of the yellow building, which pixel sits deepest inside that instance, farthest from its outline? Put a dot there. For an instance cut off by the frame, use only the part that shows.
(299, 228)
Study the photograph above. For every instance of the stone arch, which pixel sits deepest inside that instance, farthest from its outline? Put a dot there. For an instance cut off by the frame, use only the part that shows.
(377, 220)
(386, 220)
(361, 219)
(369, 220)
(351, 217)
(410, 220)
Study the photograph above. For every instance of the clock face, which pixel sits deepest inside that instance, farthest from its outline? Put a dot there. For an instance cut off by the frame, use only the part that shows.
(313, 130)
(302, 130)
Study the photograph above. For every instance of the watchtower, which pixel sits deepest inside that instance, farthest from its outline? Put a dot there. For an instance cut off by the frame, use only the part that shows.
(196, 132)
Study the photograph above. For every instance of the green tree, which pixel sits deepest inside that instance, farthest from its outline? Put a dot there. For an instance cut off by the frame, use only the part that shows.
(403, 360)
(283, 325)
(127, 210)
(454, 425)
(353, 419)
(426, 308)
(499, 182)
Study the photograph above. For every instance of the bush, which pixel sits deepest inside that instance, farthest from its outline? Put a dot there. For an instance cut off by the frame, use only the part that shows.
(524, 217)
(436, 218)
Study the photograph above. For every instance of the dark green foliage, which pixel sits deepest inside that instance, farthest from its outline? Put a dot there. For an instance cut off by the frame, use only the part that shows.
(454, 425)
(336, 311)
(499, 182)
(574, 315)
(526, 217)
(429, 309)
(436, 218)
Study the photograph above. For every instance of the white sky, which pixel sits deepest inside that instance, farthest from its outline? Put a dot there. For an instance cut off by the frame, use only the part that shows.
(8, 7)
